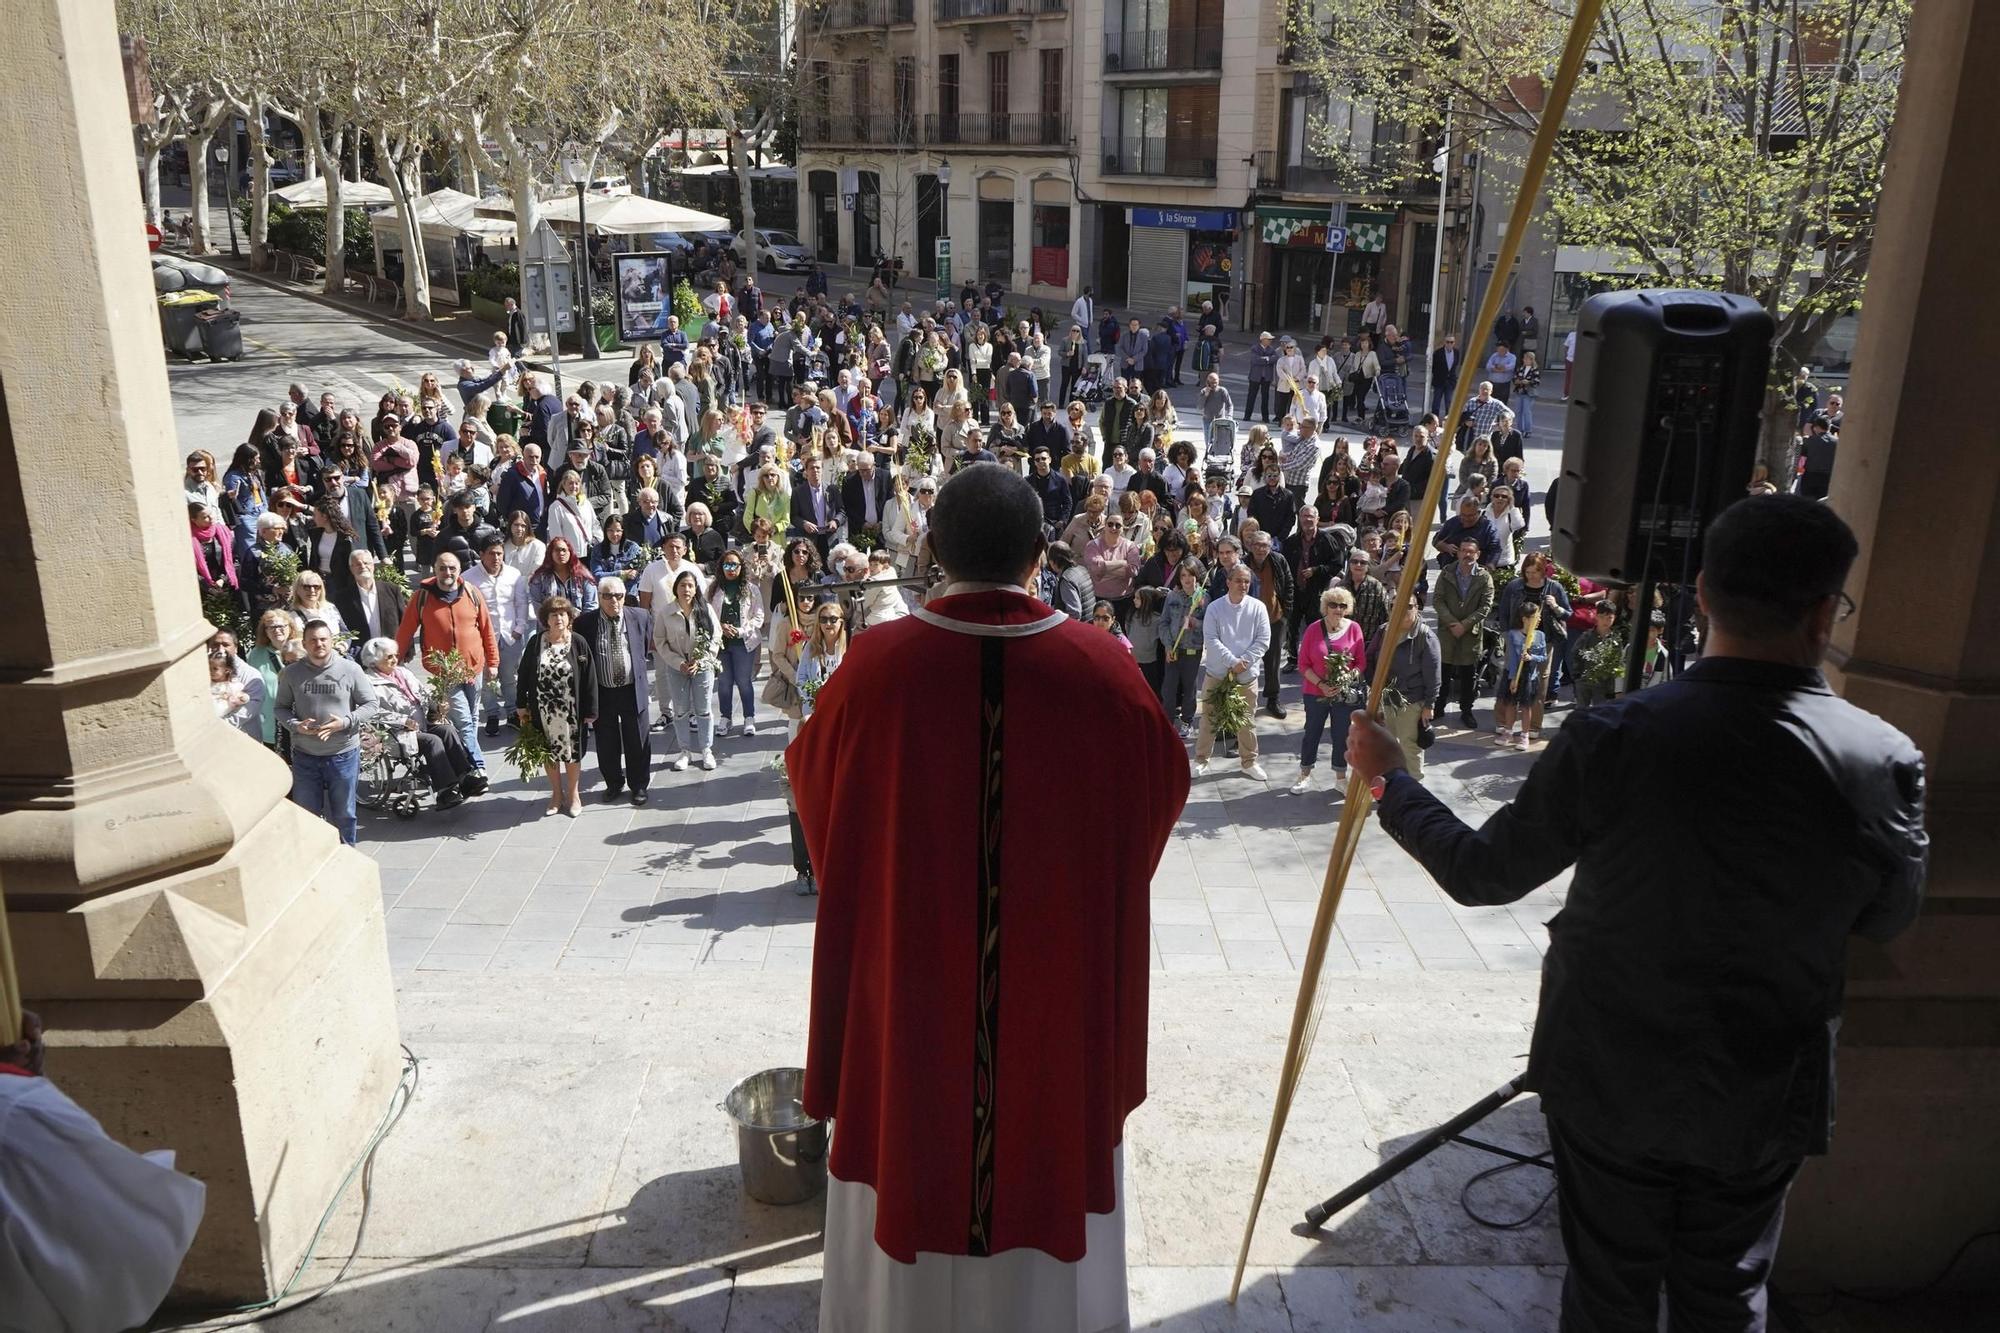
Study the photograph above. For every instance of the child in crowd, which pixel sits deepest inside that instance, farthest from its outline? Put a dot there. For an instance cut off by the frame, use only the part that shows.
(1105, 617)
(1517, 705)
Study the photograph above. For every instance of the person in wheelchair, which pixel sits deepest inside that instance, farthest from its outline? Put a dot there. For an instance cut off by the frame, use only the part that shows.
(407, 709)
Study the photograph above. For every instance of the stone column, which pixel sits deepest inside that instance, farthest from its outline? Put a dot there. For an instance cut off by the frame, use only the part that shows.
(210, 962)
(1915, 1167)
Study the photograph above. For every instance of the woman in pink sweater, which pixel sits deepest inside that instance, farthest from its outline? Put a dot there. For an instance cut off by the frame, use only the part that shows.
(1332, 654)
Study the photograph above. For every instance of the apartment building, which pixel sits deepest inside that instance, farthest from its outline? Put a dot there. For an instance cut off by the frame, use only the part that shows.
(924, 119)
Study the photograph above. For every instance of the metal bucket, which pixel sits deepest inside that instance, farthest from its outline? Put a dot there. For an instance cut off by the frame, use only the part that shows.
(781, 1149)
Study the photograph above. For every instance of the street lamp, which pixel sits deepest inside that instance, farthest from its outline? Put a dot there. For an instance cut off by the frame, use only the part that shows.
(944, 222)
(577, 168)
(228, 199)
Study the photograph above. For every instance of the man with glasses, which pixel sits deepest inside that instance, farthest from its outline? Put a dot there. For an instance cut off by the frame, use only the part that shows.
(1692, 990)
(620, 638)
(1445, 363)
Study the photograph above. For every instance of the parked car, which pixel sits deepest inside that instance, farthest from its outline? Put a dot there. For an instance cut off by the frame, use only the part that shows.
(610, 185)
(282, 174)
(670, 242)
(777, 252)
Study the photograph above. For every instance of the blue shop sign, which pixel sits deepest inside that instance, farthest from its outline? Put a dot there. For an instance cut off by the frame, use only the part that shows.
(1186, 219)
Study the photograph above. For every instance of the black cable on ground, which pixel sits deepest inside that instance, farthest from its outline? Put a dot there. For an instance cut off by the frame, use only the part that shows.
(1504, 1224)
(399, 1101)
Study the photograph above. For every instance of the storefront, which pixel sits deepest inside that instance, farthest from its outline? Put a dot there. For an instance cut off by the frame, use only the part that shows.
(1178, 257)
(1301, 274)
(1049, 234)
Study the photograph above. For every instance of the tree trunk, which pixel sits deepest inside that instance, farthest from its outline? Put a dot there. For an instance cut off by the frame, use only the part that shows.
(527, 216)
(468, 173)
(336, 228)
(260, 187)
(739, 163)
(1777, 442)
(198, 141)
(149, 175)
(416, 273)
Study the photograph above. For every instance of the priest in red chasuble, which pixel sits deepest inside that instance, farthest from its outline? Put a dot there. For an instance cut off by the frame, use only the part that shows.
(981, 962)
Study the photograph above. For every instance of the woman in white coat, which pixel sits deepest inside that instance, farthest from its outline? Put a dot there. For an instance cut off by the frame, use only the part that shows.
(571, 515)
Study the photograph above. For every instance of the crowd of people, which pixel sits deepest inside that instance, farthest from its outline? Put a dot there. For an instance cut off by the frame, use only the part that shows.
(624, 562)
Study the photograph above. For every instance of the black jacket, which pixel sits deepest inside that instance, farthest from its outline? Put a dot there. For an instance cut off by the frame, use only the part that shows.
(1276, 511)
(1443, 376)
(1729, 831)
(854, 496)
(389, 604)
(585, 677)
(1057, 501)
(1324, 557)
(1019, 389)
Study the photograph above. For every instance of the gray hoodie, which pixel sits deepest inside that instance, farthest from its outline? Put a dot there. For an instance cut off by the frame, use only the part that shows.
(307, 693)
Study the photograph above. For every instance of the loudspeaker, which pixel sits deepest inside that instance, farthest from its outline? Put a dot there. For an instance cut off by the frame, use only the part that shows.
(1662, 433)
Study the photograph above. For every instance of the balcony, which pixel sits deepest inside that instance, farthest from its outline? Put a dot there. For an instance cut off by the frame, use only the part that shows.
(961, 11)
(1188, 50)
(850, 15)
(1186, 159)
(860, 130)
(1320, 177)
(1028, 131)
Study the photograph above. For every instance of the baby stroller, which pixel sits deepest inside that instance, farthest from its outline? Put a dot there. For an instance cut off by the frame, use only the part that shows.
(1221, 447)
(1094, 385)
(1392, 405)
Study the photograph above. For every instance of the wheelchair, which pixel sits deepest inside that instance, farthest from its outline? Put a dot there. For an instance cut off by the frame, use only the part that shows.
(390, 779)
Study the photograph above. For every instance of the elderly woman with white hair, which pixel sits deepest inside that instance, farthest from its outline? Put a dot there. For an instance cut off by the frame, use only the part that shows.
(417, 723)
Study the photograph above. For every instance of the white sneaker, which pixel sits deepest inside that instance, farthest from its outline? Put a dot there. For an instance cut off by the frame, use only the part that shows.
(749, 729)
(1205, 768)
(708, 760)
(1304, 784)
(1256, 773)
(680, 764)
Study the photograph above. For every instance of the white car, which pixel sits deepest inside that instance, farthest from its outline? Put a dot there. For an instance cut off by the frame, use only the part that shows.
(777, 252)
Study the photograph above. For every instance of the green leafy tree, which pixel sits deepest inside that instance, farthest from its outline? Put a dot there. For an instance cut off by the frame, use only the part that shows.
(1734, 147)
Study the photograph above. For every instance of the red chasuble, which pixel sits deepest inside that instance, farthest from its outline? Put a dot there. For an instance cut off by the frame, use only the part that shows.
(985, 788)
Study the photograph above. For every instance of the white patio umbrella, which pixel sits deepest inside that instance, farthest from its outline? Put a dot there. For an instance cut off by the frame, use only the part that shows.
(616, 214)
(311, 193)
(450, 212)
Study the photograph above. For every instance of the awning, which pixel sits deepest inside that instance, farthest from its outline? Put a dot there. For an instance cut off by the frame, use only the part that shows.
(448, 212)
(311, 193)
(1305, 228)
(615, 214)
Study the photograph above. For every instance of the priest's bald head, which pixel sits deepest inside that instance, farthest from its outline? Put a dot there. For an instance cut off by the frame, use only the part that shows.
(987, 526)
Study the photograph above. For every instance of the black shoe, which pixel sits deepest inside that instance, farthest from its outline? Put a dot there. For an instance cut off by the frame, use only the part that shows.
(611, 795)
(806, 888)
(1470, 722)
(449, 797)
(474, 783)
(1291, 668)
(639, 797)
(492, 727)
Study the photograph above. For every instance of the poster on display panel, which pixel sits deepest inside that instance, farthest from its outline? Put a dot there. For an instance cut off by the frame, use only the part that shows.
(645, 288)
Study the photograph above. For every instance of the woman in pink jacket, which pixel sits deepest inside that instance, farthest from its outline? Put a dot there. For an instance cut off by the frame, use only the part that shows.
(1331, 643)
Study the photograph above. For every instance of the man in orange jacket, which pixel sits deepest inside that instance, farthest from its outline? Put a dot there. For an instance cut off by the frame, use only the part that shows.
(449, 614)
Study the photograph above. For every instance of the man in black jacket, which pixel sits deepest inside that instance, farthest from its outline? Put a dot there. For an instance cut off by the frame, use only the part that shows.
(360, 510)
(1052, 488)
(1273, 587)
(1017, 386)
(815, 509)
(1445, 365)
(1274, 506)
(1314, 560)
(1729, 830)
(1045, 432)
(369, 607)
(864, 498)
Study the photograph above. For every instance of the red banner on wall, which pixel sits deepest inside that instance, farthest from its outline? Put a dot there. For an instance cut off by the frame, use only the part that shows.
(1049, 265)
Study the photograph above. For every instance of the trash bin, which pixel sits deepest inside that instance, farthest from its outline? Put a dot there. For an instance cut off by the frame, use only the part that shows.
(780, 1148)
(221, 334)
(178, 326)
